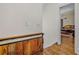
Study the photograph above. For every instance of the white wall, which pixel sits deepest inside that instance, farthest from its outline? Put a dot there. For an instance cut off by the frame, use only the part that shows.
(51, 24)
(20, 19)
(77, 28)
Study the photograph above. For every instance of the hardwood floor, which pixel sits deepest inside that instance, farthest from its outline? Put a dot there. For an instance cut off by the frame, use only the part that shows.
(66, 48)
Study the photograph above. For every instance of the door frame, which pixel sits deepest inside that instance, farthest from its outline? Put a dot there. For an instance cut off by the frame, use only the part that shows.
(64, 4)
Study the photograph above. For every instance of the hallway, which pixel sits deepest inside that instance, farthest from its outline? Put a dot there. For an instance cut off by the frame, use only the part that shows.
(66, 48)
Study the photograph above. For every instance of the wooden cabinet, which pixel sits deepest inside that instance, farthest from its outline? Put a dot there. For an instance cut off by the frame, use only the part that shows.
(29, 47)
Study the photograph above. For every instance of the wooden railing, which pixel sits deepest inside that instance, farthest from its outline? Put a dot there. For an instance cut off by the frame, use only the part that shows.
(20, 36)
(22, 44)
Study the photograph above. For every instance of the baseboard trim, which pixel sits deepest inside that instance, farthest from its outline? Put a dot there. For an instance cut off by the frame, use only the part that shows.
(50, 45)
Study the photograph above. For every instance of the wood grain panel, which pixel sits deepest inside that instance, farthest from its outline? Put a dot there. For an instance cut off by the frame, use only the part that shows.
(35, 45)
(3, 50)
(26, 47)
(19, 48)
(40, 44)
(11, 49)
(32, 46)
(29, 47)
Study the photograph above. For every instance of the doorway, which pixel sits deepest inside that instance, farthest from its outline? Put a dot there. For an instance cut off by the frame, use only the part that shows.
(67, 26)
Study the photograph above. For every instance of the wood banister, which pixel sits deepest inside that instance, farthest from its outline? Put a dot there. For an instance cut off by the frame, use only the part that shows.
(20, 36)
